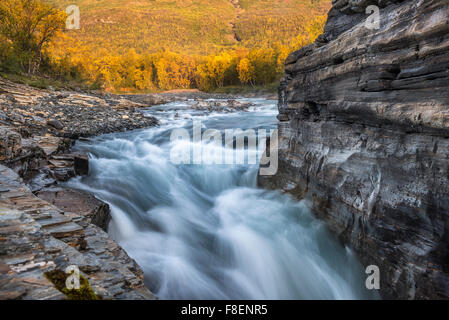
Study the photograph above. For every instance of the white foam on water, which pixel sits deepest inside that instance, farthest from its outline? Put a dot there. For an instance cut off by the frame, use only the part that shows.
(206, 231)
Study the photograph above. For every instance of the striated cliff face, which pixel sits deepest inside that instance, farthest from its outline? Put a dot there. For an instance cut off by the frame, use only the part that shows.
(364, 134)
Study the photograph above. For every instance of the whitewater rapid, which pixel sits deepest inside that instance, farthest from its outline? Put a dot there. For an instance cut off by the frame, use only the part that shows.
(207, 231)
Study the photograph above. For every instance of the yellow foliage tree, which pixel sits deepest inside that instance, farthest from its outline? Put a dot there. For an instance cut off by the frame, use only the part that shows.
(283, 53)
(217, 66)
(29, 25)
(246, 71)
(264, 62)
(258, 62)
(174, 71)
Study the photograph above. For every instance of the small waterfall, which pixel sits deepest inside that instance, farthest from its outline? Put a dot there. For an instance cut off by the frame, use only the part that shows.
(206, 231)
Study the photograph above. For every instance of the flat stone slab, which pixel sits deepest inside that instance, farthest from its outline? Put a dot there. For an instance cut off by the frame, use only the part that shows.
(54, 220)
(77, 203)
(64, 230)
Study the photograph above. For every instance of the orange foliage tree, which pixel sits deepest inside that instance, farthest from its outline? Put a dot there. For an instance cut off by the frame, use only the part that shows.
(29, 25)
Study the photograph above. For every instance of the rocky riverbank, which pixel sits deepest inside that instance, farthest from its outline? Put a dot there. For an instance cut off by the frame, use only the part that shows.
(60, 226)
(45, 228)
(37, 238)
(184, 95)
(364, 134)
(38, 126)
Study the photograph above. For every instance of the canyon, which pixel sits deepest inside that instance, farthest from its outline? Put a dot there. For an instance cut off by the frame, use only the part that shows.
(363, 134)
(137, 225)
(363, 139)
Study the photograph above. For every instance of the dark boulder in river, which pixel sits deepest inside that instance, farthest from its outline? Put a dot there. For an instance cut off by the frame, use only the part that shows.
(364, 128)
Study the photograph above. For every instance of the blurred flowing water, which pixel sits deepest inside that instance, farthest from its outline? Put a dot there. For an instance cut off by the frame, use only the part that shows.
(207, 231)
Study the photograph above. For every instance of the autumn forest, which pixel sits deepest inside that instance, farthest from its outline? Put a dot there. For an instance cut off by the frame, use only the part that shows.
(157, 45)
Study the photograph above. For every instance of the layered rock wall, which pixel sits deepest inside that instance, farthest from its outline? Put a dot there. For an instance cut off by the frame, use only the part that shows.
(364, 134)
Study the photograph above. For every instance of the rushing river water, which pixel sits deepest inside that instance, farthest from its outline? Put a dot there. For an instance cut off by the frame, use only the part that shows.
(206, 231)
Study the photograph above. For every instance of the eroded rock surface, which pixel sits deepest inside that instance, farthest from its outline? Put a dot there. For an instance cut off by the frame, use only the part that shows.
(37, 237)
(364, 134)
(37, 130)
(84, 208)
(67, 114)
(38, 127)
(221, 106)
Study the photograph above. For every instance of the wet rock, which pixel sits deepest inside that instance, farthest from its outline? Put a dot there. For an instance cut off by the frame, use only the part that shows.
(81, 164)
(221, 106)
(63, 174)
(36, 236)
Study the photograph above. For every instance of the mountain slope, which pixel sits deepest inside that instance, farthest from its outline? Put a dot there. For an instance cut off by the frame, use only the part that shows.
(189, 26)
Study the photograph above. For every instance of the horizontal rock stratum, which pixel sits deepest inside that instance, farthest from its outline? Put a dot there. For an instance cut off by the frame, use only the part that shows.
(364, 135)
(44, 234)
(37, 237)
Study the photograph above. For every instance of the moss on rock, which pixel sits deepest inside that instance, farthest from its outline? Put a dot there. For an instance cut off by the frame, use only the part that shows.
(85, 292)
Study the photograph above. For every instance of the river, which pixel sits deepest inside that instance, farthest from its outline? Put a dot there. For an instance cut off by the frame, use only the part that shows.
(205, 231)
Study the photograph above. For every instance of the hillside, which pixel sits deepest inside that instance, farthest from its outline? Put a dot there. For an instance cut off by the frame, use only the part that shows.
(189, 26)
(158, 45)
